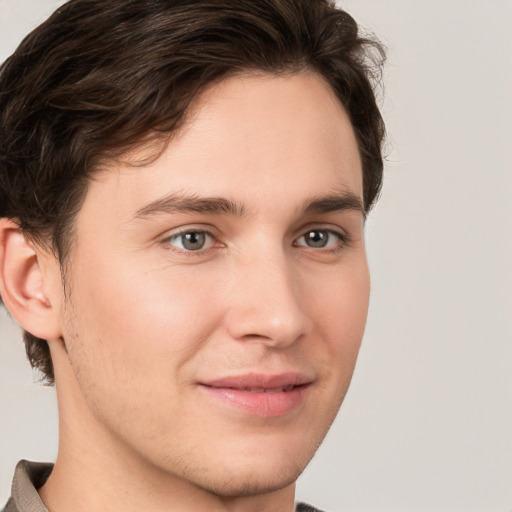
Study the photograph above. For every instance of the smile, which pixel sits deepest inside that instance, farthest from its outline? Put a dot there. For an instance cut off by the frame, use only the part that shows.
(268, 390)
(260, 395)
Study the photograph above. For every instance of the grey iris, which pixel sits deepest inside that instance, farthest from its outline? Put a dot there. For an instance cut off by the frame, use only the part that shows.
(193, 241)
(316, 238)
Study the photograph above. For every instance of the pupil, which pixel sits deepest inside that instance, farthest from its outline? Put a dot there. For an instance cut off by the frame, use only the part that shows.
(317, 238)
(193, 241)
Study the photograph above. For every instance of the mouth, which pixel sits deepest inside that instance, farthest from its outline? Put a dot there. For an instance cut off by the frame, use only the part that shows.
(266, 390)
(260, 395)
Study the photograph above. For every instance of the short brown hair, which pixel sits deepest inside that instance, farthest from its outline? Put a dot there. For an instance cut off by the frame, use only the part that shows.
(100, 76)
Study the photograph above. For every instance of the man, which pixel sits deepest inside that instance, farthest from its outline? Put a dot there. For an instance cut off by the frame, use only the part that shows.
(183, 188)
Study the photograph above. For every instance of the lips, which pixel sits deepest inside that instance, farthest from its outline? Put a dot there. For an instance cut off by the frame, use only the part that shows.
(268, 390)
(260, 395)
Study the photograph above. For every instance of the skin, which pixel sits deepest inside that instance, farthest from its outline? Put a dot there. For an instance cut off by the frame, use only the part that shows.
(144, 319)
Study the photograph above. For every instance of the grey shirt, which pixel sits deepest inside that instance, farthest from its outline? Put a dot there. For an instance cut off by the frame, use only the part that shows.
(30, 476)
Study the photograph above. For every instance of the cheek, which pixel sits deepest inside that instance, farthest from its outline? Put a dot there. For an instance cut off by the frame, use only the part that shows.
(340, 312)
(132, 325)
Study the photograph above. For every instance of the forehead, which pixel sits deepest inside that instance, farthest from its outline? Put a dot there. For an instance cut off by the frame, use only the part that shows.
(246, 138)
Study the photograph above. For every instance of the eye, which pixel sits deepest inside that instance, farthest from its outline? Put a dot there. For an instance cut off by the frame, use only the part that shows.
(192, 240)
(321, 239)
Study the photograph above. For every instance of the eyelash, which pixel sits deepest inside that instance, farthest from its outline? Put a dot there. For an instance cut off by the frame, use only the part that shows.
(344, 241)
(184, 232)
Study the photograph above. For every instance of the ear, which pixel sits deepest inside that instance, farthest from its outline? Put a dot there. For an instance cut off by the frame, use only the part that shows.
(22, 285)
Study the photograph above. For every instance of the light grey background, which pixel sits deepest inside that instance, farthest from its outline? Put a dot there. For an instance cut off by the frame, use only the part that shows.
(427, 425)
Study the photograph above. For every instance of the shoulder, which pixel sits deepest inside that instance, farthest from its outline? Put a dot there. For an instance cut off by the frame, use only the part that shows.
(303, 507)
(10, 506)
(28, 477)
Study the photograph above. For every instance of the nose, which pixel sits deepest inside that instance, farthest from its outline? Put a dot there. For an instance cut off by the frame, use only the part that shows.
(265, 303)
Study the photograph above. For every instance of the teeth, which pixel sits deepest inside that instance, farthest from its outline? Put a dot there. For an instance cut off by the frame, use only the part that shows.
(270, 390)
(274, 390)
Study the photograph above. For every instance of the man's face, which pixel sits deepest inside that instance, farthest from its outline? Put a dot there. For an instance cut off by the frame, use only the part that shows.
(218, 296)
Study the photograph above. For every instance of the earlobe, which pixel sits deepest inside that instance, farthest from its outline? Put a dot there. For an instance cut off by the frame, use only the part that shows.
(22, 283)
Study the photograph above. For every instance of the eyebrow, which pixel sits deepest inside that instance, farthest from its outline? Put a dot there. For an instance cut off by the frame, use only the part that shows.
(336, 202)
(179, 203)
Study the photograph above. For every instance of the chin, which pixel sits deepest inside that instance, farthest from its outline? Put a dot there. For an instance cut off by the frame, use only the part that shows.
(250, 469)
(236, 482)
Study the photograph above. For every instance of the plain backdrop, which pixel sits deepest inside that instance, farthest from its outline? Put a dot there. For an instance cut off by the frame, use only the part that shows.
(427, 424)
